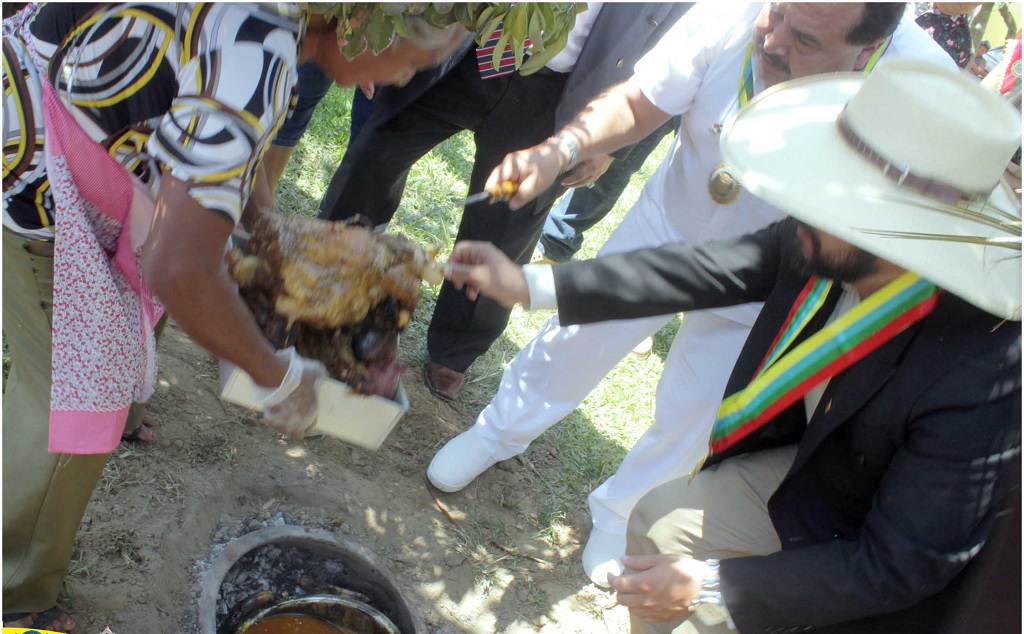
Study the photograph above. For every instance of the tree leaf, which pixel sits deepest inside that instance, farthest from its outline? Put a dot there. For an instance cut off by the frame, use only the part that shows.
(499, 48)
(379, 31)
(537, 31)
(436, 18)
(462, 13)
(520, 21)
(539, 59)
(518, 50)
(485, 15)
(375, 24)
(399, 23)
(548, 13)
(354, 47)
(489, 28)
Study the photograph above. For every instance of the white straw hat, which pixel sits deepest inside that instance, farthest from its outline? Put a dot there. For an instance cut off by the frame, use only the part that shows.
(905, 162)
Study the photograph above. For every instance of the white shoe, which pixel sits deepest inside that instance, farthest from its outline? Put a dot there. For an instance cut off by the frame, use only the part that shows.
(458, 463)
(601, 556)
(644, 348)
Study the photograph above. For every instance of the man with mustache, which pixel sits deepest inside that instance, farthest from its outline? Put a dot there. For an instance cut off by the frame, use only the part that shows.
(870, 432)
(714, 60)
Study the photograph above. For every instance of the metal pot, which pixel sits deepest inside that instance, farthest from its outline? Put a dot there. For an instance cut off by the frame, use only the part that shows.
(352, 615)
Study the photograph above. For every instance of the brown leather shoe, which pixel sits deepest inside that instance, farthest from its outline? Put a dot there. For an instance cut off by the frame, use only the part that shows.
(444, 383)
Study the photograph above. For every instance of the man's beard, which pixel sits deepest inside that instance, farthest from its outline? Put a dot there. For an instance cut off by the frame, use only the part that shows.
(850, 267)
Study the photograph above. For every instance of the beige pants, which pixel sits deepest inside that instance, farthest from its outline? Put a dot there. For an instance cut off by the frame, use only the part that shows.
(722, 513)
(44, 494)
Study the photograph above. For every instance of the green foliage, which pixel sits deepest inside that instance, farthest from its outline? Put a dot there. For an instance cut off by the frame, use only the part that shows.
(374, 25)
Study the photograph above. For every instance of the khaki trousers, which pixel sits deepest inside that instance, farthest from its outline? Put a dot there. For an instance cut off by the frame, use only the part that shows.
(721, 513)
(44, 494)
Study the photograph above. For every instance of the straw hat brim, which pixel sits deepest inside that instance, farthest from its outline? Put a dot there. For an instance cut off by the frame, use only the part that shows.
(786, 148)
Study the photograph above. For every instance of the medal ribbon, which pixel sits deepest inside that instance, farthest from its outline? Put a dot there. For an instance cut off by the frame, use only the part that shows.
(747, 73)
(806, 306)
(786, 376)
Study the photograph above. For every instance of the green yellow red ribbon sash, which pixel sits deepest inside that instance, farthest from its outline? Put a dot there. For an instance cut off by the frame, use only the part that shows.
(785, 375)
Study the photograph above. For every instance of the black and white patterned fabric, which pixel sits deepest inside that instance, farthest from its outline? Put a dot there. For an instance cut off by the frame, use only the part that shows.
(194, 90)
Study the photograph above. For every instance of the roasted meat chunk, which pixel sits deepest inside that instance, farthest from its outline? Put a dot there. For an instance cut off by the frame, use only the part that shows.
(340, 294)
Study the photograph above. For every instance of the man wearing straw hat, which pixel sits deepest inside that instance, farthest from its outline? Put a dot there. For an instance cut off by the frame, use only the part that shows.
(870, 430)
(717, 57)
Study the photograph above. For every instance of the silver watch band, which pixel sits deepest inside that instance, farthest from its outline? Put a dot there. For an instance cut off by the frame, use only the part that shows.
(572, 147)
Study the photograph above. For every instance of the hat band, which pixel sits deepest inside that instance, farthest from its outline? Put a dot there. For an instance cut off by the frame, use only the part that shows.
(901, 174)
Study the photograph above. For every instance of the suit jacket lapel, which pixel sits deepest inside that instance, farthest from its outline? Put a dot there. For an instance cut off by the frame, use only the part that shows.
(848, 391)
(788, 425)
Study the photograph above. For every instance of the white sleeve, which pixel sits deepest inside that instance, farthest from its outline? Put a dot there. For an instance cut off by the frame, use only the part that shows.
(673, 71)
(540, 281)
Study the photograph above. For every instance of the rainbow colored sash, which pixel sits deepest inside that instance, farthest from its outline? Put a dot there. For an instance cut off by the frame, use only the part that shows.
(785, 376)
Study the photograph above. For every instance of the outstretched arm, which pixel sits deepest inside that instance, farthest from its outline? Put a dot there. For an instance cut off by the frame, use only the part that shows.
(641, 283)
(620, 116)
(183, 263)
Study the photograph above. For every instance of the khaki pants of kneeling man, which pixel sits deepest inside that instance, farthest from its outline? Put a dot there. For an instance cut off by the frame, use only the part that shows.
(721, 513)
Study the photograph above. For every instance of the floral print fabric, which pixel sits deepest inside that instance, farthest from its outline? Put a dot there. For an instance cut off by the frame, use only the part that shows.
(951, 32)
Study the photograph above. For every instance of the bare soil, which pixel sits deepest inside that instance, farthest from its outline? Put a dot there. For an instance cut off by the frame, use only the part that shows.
(214, 472)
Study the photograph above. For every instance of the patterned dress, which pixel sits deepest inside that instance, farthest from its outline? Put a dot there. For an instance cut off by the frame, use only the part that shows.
(951, 32)
(197, 90)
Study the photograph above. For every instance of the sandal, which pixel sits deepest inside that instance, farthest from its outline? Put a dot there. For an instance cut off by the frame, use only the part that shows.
(143, 433)
(52, 620)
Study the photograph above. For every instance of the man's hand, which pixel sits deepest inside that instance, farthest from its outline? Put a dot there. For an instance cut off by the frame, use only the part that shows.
(534, 170)
(481, 268)
(587, 172)
(662, 589)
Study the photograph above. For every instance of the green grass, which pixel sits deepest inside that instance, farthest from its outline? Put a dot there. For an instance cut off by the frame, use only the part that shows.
(591, 442)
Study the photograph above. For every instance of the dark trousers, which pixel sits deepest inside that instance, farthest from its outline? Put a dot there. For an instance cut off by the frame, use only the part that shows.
(362, 108)
(505, 114)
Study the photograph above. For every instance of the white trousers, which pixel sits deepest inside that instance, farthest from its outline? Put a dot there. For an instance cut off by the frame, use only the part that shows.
(552, 375)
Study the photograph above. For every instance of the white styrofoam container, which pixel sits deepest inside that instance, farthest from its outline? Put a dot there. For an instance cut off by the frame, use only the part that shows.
(361, 420)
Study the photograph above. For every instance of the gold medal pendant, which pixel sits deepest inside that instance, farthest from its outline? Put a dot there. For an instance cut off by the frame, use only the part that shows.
(722, 185)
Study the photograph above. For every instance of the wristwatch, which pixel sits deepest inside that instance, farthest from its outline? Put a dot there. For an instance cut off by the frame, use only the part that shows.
(708, 606)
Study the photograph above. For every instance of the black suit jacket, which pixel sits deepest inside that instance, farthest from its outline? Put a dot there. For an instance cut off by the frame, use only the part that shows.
(898, 474)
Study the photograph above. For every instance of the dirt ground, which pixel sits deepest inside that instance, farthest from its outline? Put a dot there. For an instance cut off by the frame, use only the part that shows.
(161, 508)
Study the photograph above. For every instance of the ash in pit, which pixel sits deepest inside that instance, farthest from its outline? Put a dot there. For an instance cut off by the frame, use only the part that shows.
(271, 573)
(339, 293)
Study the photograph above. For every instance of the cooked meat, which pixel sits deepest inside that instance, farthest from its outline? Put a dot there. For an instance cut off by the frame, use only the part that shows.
(340, 294)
